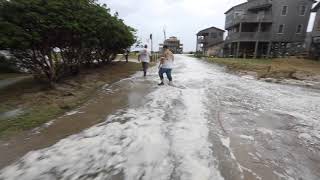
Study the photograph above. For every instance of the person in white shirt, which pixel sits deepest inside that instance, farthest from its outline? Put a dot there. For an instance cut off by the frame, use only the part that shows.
(144, 57)
(166, 65)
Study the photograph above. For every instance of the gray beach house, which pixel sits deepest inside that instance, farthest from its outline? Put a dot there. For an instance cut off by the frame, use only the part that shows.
(265, 28)
(210, 41)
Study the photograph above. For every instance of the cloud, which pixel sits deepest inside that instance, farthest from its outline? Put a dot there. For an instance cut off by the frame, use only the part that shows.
(182, 18)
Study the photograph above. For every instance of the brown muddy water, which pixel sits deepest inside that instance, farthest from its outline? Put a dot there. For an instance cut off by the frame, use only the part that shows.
(107, 101)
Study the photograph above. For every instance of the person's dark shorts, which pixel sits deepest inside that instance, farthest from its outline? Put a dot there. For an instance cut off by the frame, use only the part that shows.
(145, 66)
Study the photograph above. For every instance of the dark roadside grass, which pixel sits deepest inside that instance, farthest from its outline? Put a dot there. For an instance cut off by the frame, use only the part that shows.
(36, 103)
(279, 68)
(4, 76)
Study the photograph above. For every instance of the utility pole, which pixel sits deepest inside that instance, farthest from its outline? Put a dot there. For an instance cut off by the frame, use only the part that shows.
(164, 33)
(152, 54)
(151, 38)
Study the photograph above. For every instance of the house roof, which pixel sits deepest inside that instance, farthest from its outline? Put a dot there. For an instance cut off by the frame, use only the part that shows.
(260, 7)
(202, 31)
(235, 7)
(248, 2)
(316, 8)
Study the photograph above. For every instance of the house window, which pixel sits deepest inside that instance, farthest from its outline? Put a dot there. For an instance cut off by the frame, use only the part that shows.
(281, 29)
(302, 10)
(213, 35)
(238, 13)
(299, 29)
(284, 11)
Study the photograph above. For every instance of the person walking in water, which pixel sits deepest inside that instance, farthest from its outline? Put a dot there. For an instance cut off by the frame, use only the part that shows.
(166, 65)
(126, 55)
(144, 57)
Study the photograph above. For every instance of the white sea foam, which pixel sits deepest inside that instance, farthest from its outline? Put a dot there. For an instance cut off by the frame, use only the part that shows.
(250, 138)
(165, 138)
(265, 131)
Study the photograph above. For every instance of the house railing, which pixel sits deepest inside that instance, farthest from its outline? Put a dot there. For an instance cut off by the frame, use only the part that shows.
(249, 36)
(248, 19)
(243, 15)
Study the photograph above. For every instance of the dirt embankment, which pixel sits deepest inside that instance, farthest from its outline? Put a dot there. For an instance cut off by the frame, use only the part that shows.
(28, 104)
(285, 70)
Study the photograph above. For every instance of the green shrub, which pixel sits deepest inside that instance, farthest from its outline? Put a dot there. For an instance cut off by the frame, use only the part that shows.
(7, 65)
(79, 31)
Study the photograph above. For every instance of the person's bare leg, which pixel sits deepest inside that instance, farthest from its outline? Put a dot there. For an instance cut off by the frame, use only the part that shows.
(161, 72)
(169, 76)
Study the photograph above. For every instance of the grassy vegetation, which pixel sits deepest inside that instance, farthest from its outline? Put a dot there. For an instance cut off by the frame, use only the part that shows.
(274, 68)
(10, 75)
(32, 118)
(133, 55)
(40, 103)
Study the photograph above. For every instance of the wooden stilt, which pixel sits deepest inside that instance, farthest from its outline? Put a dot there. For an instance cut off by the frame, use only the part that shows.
(256, 49)
(238, 50)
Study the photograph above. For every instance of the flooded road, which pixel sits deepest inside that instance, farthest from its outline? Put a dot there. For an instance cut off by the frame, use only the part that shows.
(210, 125)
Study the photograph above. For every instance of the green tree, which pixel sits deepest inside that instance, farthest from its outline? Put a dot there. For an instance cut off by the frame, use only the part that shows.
(84, 32)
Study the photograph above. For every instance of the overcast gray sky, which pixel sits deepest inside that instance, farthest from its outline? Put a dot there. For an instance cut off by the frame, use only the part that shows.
(182, 18)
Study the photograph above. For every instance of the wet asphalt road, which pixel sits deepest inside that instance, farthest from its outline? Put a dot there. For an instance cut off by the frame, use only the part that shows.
(209, 125)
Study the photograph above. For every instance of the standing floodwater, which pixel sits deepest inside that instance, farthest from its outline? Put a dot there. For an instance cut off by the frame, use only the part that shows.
(209, 125)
